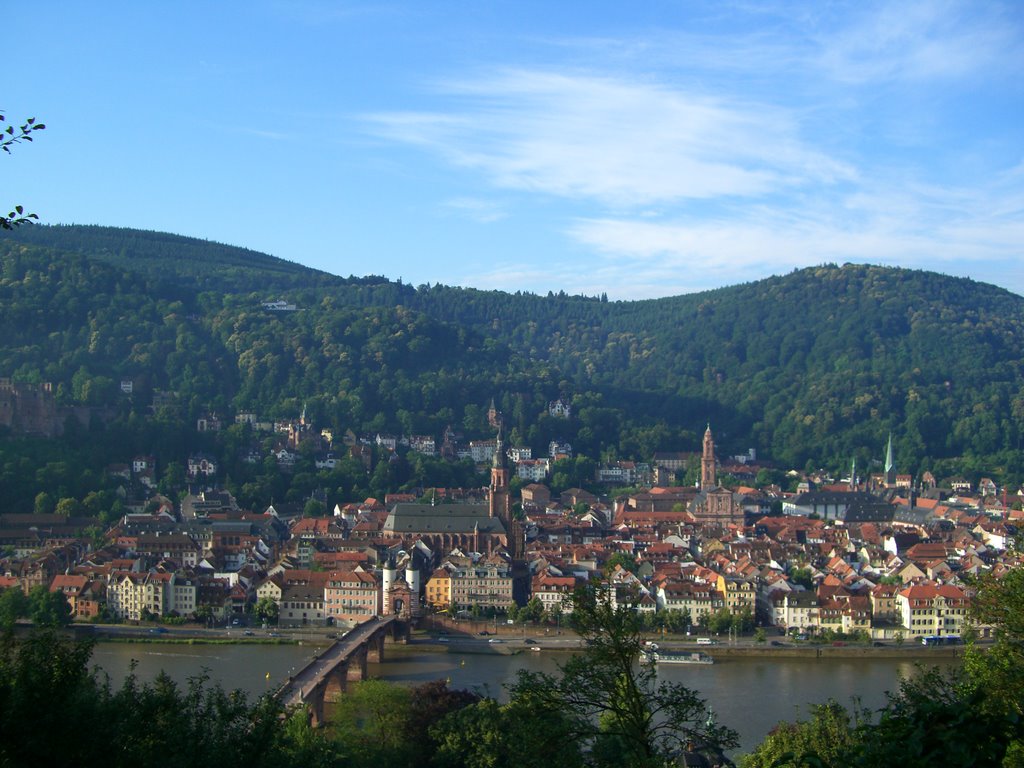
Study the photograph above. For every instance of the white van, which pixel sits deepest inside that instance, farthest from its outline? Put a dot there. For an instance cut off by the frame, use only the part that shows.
(705, 641)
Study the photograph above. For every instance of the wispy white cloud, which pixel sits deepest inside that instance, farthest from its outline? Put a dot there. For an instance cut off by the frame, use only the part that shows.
(614, 141)
(923, 40)
(925, 228)
(720, 157)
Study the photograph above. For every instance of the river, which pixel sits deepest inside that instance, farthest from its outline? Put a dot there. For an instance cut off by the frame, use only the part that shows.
(750, 695)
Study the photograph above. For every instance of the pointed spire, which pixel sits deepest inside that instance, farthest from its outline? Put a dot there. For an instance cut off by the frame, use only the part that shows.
(499, 450)
(888, 455)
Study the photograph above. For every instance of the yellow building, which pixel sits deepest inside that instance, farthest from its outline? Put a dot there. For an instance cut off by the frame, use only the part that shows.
(439, 589)
(739, 594)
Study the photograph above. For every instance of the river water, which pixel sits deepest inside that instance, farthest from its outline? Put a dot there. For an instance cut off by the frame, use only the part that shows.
(750, 695)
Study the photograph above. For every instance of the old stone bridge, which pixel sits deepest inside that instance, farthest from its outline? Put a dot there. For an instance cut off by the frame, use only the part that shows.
(325, 678)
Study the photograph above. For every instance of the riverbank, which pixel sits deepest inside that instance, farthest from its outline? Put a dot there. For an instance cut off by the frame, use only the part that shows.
(196, 635)
(160, 640)
(506, 646)
(486, 638)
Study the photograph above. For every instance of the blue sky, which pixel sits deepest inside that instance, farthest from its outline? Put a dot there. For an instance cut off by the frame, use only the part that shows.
(639, 149)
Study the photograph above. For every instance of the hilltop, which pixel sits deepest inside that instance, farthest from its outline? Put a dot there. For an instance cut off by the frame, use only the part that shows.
(817, 366)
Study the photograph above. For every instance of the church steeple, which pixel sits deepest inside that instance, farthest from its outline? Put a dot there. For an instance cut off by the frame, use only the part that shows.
(500, 504)
(708, 477)
(499, 460)
(500, 500)
(890, 466)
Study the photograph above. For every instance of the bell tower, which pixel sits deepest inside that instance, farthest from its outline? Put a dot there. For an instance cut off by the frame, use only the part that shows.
(500, 500)
(500, 504)
(708, 478)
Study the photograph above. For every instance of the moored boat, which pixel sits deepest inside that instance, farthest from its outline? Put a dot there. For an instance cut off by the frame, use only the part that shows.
(669, 657)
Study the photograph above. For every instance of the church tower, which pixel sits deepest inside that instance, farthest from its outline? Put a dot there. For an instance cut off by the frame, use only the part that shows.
(500, 501)
(890, 466)
(708, 478)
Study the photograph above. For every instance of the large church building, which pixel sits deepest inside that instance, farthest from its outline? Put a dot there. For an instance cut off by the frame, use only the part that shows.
(714, 504)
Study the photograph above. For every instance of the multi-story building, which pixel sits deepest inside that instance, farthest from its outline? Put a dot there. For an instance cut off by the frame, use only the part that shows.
(553, 592)
(796, 609)
(695, 599)
(740, 594)
(486, 584)
(439, 589)
(883, 603)
(301, 605)
(533, 470)
(929, 609)
(482, 451)
(351, 596)
(129, 594)
(520, 453)
(183, 596)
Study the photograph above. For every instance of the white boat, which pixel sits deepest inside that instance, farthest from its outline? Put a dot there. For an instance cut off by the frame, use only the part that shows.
(669, 657)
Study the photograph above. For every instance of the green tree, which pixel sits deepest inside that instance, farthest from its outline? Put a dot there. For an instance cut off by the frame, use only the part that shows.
(267, 609)
(823, 741)
(48, 609)
(720, 621)
(173, 478)
(532, 611)
(802, 576)
(45, 680)
(44, 504)
(13, 606)
(525, 733)
(626, 560)
(68, 507)
(615, 708)
(10, 136)
(967, 716)
(370, 722)
(314, 508)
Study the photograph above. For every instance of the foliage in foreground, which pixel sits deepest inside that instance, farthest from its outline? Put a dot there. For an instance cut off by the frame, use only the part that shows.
(55, 711)
(969, 716)
(601, 710)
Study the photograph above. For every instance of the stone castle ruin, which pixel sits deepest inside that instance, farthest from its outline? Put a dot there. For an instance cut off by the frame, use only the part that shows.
(29, 409)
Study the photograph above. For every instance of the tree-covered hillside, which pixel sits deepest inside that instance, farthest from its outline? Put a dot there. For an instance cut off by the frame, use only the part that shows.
(817, 366)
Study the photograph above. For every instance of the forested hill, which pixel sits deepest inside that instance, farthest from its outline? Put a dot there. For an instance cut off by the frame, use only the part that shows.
(818, 365)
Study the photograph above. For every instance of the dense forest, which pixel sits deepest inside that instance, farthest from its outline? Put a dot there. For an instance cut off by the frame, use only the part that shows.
(812, 369)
